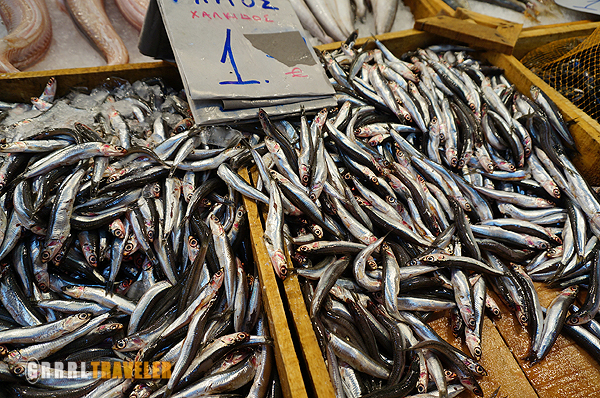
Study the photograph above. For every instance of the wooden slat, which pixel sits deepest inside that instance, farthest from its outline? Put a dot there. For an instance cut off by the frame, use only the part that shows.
(428, 8)
(530, 39)
(311, 353)
(567, 371)
(21, 86)
(310, 347)
(497, 359)
(492, 22)
(557, 25)
(397, 42)
(286, 358)
(501, 38)
(585, 130)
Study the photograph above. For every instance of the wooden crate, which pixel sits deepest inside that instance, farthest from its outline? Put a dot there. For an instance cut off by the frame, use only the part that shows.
(20, 87)
(567, 371)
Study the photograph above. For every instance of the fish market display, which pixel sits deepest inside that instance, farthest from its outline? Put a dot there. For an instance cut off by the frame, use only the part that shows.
(92, 21)
(124, 251)
(29, 33)
(431, 184)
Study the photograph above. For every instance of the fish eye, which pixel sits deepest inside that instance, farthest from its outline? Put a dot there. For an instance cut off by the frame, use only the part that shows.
(92, 259)
(429, 258)
(19, 370)
(119, 148)
(45, 255)
(193, 242)
(128, 247)
(283, 271)
(83, 315)
(121, 344)
(478, 352)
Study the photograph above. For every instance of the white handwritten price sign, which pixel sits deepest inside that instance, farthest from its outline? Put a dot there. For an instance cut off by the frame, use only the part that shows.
(238, 55)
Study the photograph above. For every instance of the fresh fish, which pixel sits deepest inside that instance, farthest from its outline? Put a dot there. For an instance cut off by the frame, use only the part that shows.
(92, 20)
(29, 34)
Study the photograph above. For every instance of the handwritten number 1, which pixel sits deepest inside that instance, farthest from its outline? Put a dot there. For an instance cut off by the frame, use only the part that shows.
(228, 53)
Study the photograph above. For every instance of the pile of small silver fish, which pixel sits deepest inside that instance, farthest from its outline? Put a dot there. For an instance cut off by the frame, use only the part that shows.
(334, 20)
(125, 240)
(432, 183)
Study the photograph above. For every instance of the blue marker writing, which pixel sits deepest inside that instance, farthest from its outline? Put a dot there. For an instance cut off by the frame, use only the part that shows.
(227, 52)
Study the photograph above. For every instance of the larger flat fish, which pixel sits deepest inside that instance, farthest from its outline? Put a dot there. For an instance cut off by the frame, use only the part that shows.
(29, 33)
(90, 17)
(134, 11)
